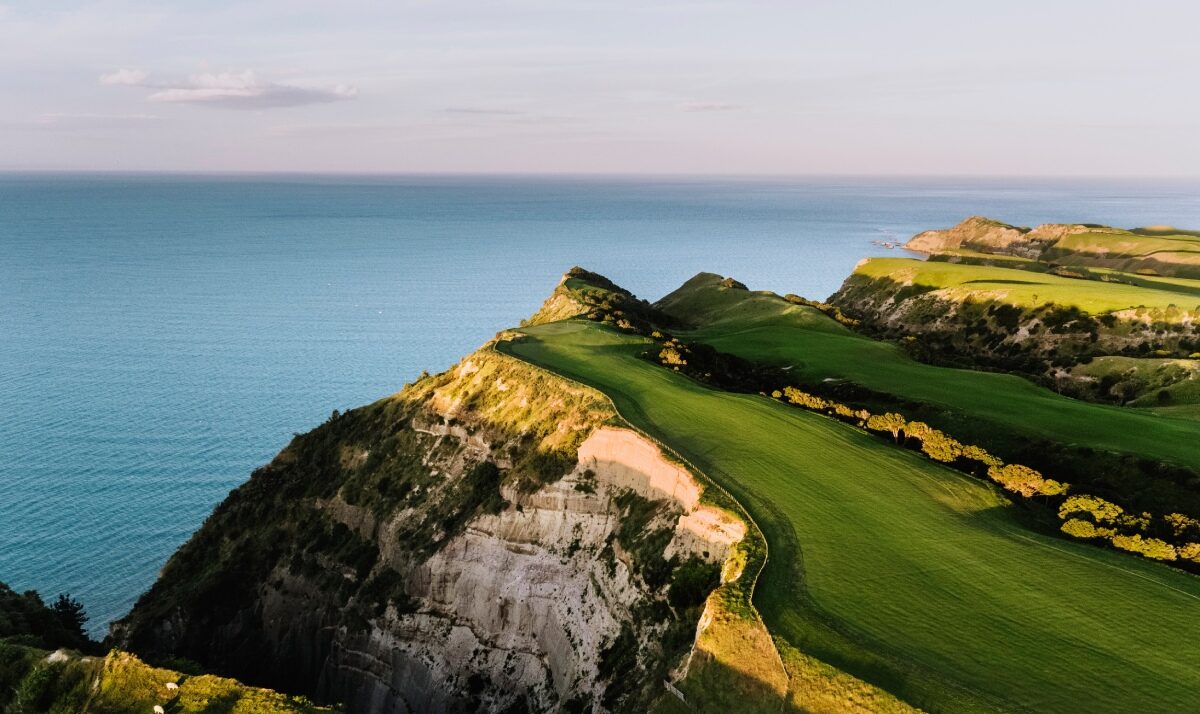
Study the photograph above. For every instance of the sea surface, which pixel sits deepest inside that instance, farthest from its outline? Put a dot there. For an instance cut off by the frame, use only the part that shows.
(161, 336)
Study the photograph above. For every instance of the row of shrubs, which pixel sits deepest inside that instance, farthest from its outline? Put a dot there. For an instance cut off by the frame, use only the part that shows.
(1084, 516)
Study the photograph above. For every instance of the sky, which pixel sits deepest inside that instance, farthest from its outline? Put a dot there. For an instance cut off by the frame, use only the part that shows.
(923, 87)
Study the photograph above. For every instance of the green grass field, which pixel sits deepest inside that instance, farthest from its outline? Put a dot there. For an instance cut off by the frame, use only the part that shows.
(764, 328)
(902, 572)
(1026, 288)
(1183, 286)
(1180, 378)
(1168, 248)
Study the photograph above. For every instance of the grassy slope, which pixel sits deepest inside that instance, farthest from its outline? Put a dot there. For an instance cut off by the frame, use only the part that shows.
(1169, 248)
(1181, 377)
(1025, 288)
(902, 572)
(763, 327)
(1184, 286)
(120, 683)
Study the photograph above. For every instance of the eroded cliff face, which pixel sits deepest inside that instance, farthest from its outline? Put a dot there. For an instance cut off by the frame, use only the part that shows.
(487, 538)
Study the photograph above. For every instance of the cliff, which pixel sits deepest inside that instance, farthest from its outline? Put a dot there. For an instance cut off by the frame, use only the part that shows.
(1035, 322)
(489, 537)
(1155, 250)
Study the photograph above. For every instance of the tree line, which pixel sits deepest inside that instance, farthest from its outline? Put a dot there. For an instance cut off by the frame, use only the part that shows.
(1082, 516)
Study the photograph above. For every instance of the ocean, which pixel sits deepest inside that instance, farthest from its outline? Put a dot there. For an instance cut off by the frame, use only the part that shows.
(163, 335)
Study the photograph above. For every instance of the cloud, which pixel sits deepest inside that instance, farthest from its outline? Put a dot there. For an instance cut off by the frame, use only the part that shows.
(126, 77)
(241, 90)
(709, 107)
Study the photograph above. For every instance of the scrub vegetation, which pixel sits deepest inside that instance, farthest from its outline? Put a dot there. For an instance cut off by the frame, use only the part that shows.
(120, 683)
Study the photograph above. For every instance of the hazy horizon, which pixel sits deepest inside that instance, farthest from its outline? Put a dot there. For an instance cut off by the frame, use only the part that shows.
(1031, 89)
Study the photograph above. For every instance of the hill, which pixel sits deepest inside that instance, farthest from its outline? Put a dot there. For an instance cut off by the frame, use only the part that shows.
(1156, 250)
(1020, 320)
(624, 506)
(1131, 456)
(877, 556)
(491, 537)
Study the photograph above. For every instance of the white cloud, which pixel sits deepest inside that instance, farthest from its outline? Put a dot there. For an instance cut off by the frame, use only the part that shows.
(240, 90)
(127, 77)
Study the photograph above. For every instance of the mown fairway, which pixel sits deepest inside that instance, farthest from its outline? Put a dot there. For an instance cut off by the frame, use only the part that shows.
(765, 328)
(902, 572)
(1024, 288)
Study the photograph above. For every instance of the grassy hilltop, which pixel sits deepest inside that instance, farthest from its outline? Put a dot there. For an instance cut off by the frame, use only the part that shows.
(1031, 289)
(1054, 302)
(1154, 250)
(897, 570)
(1011, 415)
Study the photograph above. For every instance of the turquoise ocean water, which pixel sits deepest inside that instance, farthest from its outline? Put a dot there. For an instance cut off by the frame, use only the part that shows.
(161, 336)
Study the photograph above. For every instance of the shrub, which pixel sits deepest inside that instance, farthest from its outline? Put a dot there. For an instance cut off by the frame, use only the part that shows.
(940, 447)
(1019, 479)
(1100, 510)
(891, 422)
(692, 582)
(916, 430)
(978, 453)
(1182, 525)
(1050, 487)
(1080, 529)
(804, 399)
(1149, 547)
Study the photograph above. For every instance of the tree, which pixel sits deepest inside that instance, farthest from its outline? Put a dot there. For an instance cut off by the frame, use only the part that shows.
(1080, 529)
(891, 422)
(977, 453)
(940, 447)
(804, 399)
(1018, 479)
(1100, 510)
(71, 614)
(1050, 487)
(1150, 547)
(916, 430)
(1182, 525)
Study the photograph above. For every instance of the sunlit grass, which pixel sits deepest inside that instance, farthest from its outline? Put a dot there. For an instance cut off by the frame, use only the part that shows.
(903, 573)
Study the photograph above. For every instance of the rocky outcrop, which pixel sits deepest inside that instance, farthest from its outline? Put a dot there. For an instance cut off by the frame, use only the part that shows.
(974, 232)
(484, 539)
(986, 235)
